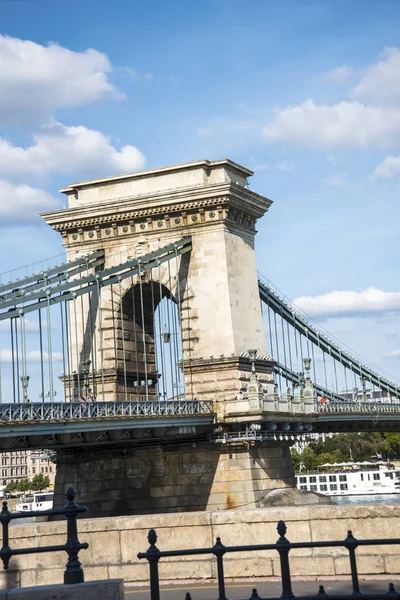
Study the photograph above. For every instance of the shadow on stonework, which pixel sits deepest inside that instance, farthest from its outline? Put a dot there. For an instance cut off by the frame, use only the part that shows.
(10, 578)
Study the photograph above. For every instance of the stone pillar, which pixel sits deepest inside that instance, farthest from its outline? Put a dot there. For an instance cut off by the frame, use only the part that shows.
(176, 478)
(215, 286)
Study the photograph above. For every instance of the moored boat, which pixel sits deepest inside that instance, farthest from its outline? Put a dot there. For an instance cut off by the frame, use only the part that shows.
(351, 479)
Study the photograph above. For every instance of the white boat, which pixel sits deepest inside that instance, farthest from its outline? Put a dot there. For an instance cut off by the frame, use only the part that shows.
(351, 482)
(39, 501)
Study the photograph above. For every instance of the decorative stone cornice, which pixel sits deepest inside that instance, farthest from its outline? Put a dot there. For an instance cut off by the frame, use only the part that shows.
(233, 199)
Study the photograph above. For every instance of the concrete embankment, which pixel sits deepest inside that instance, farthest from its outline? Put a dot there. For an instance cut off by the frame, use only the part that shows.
(114, 543)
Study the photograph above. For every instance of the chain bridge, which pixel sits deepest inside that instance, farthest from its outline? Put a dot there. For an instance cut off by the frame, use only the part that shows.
(155, 360)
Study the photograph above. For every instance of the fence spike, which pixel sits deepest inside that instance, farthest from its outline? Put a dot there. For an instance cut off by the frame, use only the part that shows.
(281, 528)
(321, 592)
(254, 595)
(392, 594)
(188, 596)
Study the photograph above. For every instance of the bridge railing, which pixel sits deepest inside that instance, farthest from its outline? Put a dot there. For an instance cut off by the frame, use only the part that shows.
(283, 547)
(59, 411)
(73, 572)
(352, 407)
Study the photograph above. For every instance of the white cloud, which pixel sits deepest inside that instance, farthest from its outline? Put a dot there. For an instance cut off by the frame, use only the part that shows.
(36, 79)
(340, 303)
(31, 356)
(284, 166)
(394, 353)
(342, 125)
(338, 180)
(30, 326)
(205, 132)
(21, 203)
(370, 118)
(381, 83)
(68, 150)
(339, 75)
(389, 168)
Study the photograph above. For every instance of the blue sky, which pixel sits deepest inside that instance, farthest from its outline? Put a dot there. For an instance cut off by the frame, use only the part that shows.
(307, 94)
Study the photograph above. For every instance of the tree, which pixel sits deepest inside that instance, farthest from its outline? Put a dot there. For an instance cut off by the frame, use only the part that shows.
(10, 487)
(295, 459)
(40, 482)
(324, 458)
(392, 444)
(24, 485)
(309, 459)
(361, 446)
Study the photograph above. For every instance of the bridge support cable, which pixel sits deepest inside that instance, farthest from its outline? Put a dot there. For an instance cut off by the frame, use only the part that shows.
(113, 335)
(64, 291)
(123, 342)
(161, 354)
(38, 281)
(318, 339)
(179, 323)
(135, 338)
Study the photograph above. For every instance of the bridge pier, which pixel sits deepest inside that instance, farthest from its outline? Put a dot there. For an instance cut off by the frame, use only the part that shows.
(174, 478)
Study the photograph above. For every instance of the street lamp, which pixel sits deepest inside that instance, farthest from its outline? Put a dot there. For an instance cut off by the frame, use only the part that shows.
(86, 370)
(25, 382)
(252, 356)
(307, 367)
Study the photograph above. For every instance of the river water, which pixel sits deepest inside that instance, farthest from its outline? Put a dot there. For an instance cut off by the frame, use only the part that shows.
(369, 499)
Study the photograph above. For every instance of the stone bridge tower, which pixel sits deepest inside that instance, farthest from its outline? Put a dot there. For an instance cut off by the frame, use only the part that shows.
(215, 286)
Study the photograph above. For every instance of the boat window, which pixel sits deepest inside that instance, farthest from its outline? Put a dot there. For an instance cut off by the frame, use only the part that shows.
(322, 478)
(332, 477)
(343, 486)
(313, 480)
(303, 479)
(333, 487)
(323, 488)
(313, 488)
(342, 477)
(362, 477)
(389, 475)
(43, 498)
(377, 476)
(303, 487)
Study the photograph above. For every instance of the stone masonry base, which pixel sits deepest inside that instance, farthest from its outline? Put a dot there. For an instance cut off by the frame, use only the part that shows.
(115, 541)
(177, 478)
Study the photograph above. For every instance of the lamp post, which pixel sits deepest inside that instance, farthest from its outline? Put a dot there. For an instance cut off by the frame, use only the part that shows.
(364, 387)
(252, 356)
(307, 367)
(25, 382)
(86, 370)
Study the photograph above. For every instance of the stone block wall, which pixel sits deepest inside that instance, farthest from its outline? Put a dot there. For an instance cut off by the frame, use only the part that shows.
(176, 478)
(115, 542)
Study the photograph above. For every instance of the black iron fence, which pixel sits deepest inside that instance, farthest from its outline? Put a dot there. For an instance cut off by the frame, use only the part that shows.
(73, 572)
(283, 547)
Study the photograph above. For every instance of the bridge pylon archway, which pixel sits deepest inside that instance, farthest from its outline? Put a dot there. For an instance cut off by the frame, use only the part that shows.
(215, 285)
(219, 318)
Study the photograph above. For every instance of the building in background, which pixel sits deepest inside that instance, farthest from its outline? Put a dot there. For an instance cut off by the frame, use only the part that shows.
(25, 464)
